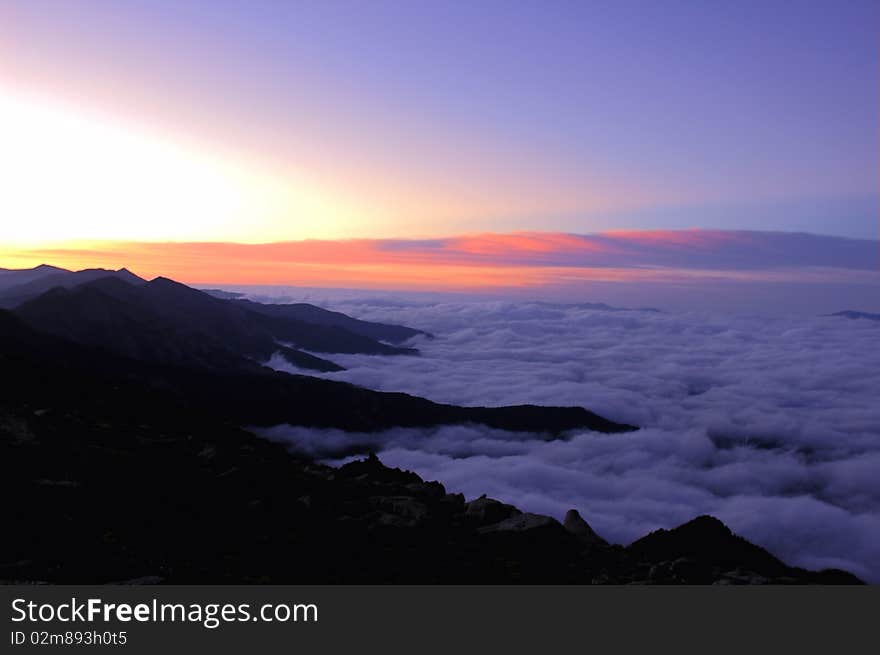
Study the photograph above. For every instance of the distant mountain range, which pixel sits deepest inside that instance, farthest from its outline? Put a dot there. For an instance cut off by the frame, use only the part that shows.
(15, 277)
(852, 314)
(207, 350)
(167, 322)
(17, 287)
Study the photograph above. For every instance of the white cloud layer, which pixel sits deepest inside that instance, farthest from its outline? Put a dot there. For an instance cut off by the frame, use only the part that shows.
(770, 424)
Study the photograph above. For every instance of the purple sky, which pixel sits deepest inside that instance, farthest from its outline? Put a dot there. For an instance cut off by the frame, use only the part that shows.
(438, 118)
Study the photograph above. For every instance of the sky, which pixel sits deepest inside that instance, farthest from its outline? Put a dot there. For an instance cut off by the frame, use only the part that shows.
(273, 121)
(135, 133)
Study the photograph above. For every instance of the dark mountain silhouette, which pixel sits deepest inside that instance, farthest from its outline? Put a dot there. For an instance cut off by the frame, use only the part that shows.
(254, 395)
(167, 322)
(131, 321)
(705, 551)
(15, 295)
(704, 546)
(320, 316)
(222, 294)
(230, 320)
(15, 277)
(853, 314)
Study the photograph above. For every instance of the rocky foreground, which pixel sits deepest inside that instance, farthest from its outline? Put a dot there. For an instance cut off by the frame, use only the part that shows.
(151, 503)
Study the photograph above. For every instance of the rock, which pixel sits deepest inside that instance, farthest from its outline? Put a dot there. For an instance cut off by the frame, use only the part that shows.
(406, 511)
(486, 511)
(16, 428)
(455, 500)
(576, 525)
(660, 573)
(703, 545)
(208, 452)
(738, 577)
(521, 523)
(692, 571)
(371, 469)
(427, 489)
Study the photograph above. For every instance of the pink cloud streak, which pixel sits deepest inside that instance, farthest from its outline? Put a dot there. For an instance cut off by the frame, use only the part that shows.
(477, 261)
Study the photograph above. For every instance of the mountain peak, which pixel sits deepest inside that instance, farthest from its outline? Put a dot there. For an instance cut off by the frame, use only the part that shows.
(707, 525)
(168, 288)
(107, 282)
(162, 281)
(576, 525)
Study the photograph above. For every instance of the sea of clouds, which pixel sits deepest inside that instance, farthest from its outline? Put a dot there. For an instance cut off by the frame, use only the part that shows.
(770, 424)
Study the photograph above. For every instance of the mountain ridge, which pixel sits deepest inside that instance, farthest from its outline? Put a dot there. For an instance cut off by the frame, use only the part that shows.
(12, 296)
(186, 325)
(256, 395)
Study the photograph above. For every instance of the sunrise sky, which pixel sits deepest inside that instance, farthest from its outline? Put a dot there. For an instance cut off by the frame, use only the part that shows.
(130, 124)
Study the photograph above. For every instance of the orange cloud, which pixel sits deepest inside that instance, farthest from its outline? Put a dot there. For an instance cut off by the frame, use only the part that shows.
(478, 262)
(528, 243)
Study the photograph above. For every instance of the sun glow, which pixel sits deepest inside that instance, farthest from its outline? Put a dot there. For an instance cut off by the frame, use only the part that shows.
(67, 174)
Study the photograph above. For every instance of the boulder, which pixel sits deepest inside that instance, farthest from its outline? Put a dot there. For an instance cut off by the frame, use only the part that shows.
(521, 523)
(576, 525)
(405, 510)
(486, 511)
